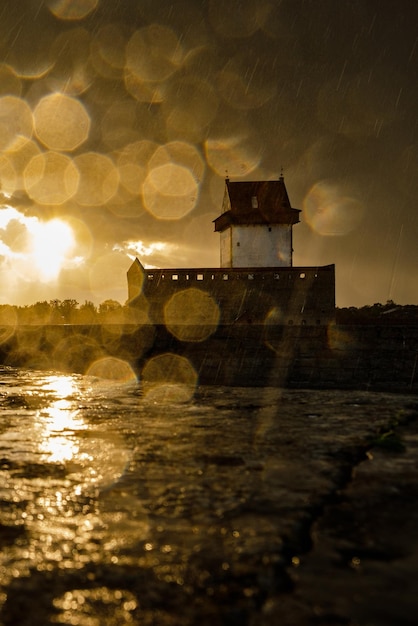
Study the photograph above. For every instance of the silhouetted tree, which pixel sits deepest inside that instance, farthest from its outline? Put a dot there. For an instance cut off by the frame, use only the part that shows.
(86, 314)
(67, 309)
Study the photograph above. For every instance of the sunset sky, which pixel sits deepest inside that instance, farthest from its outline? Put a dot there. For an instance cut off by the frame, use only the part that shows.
(120, 118)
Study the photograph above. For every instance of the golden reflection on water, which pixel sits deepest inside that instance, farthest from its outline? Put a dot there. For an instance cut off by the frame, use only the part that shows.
(60, 448)
(62, 434)
(63, 386)
(59, 422)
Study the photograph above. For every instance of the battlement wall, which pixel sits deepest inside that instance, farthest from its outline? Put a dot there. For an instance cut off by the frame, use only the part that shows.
(297, 295)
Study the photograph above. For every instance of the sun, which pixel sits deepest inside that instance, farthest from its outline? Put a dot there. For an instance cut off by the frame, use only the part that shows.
(36, 249)
(52, 243)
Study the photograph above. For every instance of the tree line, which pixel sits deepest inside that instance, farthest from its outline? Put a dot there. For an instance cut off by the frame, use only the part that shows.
(378, 314)
(67, 312)
(112, 312)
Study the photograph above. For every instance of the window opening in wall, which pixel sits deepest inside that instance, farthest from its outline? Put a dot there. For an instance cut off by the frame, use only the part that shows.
(302, 275)
(277, 277)
(174, 277)
(250, 276)
(225, 277)
(187, 277)
(269, 229)
(254, 202)
(199, 276)
(150, 276)
(238, 244)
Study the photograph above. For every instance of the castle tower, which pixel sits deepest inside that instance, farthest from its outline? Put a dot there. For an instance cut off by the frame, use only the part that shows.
(256, 224)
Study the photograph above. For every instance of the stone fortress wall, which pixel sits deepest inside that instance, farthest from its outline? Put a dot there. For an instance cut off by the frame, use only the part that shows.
(296, 295)
(313, 357)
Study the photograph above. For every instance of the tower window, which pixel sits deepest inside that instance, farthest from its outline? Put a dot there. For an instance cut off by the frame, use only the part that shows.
(238, 244)
(254, 202)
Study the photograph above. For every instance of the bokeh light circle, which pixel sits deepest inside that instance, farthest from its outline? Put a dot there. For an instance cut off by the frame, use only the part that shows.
(191, 314)
(72, 73)
(118, 123)
(72, 9)
(8, 177)
(99, 179)
(112, 369)
(108, 50)
(132, 162)
(8, 322)
(329, 212)
(61, 122)
(180, 153)
(107, 276)
(16, 120)
(142, 91)
(74, 352)
(170, 191)
(232, 155)
(153, 53)
(51, 178)
(18, 156)
(168, 378)
(189, 106)
(238, 18)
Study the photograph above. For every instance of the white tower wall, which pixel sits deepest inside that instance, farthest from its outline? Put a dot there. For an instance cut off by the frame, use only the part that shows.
(257, 246)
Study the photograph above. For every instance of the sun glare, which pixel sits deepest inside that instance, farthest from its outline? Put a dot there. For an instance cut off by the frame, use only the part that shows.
(52, 243)
(36, 249)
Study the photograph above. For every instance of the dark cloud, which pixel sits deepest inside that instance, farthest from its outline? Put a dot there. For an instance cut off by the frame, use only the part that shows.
(327, 90)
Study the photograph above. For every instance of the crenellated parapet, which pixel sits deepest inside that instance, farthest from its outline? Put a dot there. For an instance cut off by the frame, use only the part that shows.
(297, 295)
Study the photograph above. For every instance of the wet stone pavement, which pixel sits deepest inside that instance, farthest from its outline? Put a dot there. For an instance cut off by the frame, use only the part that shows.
(214, 506)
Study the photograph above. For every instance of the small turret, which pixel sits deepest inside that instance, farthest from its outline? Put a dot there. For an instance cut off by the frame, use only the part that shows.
(256, 224)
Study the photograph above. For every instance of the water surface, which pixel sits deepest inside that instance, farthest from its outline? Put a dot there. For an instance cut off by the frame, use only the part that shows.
(177, 507)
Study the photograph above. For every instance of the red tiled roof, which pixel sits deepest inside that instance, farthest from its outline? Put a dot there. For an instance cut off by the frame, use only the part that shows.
(259, 202)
